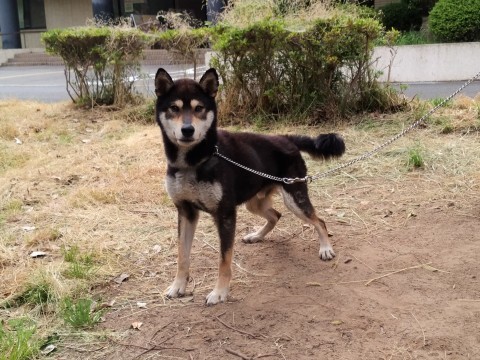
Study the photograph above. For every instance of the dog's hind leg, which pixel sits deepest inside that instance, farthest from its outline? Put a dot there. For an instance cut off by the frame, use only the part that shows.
(296, 200)
(187, 223)
(225, 221)
(261, 204)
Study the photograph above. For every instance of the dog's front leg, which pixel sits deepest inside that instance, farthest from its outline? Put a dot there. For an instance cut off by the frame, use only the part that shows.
(187, 222)
(225, 221)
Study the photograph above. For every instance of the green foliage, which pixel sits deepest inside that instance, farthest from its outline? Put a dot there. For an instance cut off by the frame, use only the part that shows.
(267, 68)
(77, 270)
(456, 20)
(412, 38)
(98, 61)
(38, 292)
(415, 158)
(17, 340)
(81, 266)
(79, 313)
(403, 16)
(70, 254)
(184, 42)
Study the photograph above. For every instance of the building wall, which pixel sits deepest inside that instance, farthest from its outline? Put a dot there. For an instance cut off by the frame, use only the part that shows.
(67, 13)
(380, 3)
(31, 39)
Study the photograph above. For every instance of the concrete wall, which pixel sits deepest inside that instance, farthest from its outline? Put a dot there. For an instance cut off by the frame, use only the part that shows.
(31, 39)
(67, 13)
(434, 62)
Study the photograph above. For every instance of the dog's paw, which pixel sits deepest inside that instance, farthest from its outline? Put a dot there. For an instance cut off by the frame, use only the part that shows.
(252, 238)
(177, 289)
(217, 296)
(326, 253)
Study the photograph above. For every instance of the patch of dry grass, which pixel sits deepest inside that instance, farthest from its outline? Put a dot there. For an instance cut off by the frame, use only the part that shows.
(94, 180)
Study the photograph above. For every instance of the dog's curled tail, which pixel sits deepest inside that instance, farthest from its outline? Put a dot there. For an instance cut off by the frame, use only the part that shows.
(325, 146)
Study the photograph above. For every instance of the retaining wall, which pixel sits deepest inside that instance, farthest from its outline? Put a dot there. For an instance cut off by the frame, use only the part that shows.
(432, 62)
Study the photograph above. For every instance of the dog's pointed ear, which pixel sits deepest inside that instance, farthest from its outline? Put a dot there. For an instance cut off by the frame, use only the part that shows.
(209, 82)
(163, 82)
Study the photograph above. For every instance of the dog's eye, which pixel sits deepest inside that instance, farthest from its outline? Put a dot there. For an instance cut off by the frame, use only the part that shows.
(174, 108)
(199, 108)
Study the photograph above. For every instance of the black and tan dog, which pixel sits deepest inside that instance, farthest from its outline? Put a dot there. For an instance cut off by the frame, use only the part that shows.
(198, 180)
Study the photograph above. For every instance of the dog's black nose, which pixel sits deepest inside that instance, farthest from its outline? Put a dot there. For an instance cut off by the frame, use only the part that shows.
(188, 130)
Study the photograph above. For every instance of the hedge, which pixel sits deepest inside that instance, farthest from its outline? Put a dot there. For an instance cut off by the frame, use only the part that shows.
(456, 20)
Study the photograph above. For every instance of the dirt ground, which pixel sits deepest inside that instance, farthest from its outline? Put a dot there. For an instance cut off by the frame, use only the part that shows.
(404, 283)
(291, 305)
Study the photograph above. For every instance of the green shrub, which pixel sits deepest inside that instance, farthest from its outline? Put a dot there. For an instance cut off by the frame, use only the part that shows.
(456, 20)
(98, 61)
(403, 16)
(267, 68)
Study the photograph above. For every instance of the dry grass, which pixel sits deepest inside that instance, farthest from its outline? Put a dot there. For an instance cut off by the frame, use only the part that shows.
(94, 180)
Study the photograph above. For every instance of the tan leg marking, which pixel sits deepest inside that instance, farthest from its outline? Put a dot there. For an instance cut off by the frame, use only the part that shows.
(185, 239)
(261, 205)
(326, 250)
(220, 292)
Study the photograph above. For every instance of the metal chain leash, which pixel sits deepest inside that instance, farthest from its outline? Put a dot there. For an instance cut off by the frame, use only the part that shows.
(259, 173)
(308, 179)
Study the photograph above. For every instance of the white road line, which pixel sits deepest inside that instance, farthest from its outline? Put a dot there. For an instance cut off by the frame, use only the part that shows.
(31, 85)
(27, 75)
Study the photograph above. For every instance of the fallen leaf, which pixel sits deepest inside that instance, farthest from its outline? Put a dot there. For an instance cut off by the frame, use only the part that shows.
(121, 278)
(347, 261)
(48, 349)
(136, 325)
(105, 305)
(337, 322)
(430, 268)
(37, 254)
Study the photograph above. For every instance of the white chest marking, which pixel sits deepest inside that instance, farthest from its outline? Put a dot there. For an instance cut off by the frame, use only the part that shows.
(185, 187)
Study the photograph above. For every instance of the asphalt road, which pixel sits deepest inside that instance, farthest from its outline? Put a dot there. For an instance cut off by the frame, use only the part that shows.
(47, 83)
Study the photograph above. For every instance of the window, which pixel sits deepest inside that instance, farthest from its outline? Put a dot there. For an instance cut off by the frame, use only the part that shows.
(31, 14)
